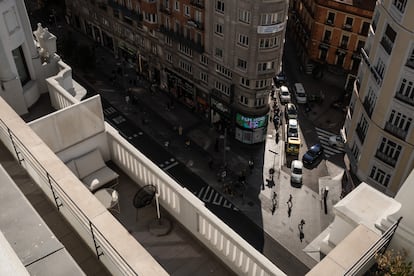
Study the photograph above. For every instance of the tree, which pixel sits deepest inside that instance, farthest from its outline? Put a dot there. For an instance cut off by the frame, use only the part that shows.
(392, 263)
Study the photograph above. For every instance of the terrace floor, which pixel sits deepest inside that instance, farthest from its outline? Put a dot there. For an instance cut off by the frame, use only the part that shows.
(178, 252)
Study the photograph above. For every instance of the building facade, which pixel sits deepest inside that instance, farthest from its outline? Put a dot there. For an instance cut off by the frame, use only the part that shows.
(378, 124)
(20, 62)
(330, 33)
(217, 57)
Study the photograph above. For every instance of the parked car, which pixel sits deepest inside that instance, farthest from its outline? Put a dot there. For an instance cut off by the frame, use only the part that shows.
(312, 155)
(290, 111)
(284, 94)
(296, 172)
(336, 140)
(293, 128)
(300, 93)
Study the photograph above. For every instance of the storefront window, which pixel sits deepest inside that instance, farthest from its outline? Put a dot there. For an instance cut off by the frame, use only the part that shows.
(21, 65)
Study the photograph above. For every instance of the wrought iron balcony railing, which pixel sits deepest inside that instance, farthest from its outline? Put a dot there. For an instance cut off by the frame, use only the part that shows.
(396, 131)
(385, 158)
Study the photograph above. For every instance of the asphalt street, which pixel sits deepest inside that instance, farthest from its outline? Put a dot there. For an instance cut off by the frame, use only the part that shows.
(220, 205)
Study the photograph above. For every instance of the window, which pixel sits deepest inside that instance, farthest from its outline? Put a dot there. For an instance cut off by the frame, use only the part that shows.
(169, 58)
(379, 176)
(268, 43)
(185, 66)
(187, 10)
(244, 16)
(244, 82)
(241, 64)
(259, 102)
(369, 101)
(223, 71)
(218, 53)
(410, 60)
(388, 152)
(243, 40)
(219, 29)
(244, 100)
(222, 88)
(388, 39)
(203, 60)
(168, 40)
(365, 28)
(355, 152)
(185, 50)
(204, 77)
(327, 36)
(400, 5)
(198, 16)
(265, 66)
(380, 68)
(348, 23)
(263, 83)
(270, 18)
(150, 17)
(344, 42)
(398, 124)
(21, 65)
(177, 5)
(362, 129)
(220, 6)
(331, 18)
(406, 91)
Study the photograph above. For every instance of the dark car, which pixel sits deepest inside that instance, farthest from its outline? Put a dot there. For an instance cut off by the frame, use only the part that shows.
(280, 79)
(312, 154)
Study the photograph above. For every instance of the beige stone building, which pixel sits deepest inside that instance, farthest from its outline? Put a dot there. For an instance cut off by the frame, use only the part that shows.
(217, 57)
(379, 125)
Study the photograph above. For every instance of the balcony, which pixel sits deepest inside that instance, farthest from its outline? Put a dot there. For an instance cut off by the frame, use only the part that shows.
(386, 44)
(180, 37)
(410, 62)
(195, 24)
(404, 98)
(385, 158)
(165, 10)
(105, 233)
(360, 133)
(396, 131)
(197, 3)
(125, 11)
(369, 107)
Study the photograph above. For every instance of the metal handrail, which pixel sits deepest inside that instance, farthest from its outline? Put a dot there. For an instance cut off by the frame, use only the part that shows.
(72, 207)
(379, 246)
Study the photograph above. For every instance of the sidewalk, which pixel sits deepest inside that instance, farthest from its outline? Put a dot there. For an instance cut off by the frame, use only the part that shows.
(150, 112)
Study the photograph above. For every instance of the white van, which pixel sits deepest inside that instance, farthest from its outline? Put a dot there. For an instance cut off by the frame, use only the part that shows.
(300, 93)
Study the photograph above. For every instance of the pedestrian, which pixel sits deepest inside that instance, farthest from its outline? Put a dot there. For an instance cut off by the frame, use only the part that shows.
(300, 227)
(180, 130)
(187, 143)
(251, 164)
(289, 202)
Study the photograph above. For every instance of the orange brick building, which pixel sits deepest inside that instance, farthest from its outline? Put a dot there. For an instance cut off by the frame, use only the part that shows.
(330, 33)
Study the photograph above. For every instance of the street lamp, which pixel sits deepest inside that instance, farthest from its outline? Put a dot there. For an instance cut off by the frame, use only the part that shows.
(272, 170)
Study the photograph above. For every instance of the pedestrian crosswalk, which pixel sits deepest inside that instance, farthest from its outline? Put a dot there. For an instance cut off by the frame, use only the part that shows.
(209, 195)
(328, 150)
